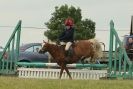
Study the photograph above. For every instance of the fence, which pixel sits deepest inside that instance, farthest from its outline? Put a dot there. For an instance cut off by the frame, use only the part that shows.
(54, 73)
(10, 54)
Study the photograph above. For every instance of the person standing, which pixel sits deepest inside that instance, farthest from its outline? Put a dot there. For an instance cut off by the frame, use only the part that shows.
(129, 48)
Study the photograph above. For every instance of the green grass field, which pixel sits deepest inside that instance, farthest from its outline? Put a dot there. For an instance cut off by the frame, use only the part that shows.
(21, 83)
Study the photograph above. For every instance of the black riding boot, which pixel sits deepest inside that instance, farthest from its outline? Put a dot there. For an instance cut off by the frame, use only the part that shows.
(67, 55)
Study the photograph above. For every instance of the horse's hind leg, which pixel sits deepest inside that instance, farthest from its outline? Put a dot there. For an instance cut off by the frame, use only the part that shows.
(66, 69)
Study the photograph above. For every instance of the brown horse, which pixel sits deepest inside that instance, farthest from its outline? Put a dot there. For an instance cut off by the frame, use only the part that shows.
(81, 49)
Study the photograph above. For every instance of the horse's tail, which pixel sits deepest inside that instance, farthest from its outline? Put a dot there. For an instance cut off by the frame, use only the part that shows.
(97, 48)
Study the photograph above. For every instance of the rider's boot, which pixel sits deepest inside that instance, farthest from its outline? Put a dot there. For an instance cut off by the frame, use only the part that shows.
(67, 55)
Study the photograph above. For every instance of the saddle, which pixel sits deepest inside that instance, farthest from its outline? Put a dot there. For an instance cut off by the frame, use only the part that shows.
(70, 50)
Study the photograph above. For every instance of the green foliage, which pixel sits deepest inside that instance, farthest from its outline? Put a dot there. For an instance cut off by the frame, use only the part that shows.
(84, 29)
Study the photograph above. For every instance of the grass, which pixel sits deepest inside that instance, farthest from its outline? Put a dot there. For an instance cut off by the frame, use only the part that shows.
(22, 83)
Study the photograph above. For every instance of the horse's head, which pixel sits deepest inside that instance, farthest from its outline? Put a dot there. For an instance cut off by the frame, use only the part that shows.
(44, 47)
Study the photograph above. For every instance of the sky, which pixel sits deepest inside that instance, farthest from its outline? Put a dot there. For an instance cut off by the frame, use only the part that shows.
(34, 13)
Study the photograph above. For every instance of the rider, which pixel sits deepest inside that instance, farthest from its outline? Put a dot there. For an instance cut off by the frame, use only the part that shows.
(67, 36)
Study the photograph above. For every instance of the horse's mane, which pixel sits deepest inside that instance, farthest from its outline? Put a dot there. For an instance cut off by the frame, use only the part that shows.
(54, 46)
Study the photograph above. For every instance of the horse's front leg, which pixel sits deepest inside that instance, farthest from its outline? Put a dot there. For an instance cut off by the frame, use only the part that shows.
(66, 69)
(61, 71)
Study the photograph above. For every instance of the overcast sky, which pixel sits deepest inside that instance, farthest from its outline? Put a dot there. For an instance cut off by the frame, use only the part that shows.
(36, 12)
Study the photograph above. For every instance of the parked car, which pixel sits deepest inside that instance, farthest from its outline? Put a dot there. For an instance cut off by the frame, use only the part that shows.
(29, 53)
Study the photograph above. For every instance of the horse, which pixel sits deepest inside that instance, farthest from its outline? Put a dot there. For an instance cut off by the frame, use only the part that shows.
(81, 50)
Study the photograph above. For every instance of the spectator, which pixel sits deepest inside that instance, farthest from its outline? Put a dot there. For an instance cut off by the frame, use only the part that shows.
(129, 48)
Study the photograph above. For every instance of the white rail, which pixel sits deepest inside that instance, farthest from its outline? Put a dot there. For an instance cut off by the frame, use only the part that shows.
(54, 73)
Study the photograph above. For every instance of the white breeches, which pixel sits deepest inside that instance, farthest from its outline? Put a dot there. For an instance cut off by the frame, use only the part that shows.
(68, 44)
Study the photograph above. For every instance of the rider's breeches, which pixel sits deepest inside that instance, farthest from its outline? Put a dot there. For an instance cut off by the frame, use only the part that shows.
(68, 44)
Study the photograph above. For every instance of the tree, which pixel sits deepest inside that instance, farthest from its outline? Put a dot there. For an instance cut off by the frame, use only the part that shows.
(85, 29)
